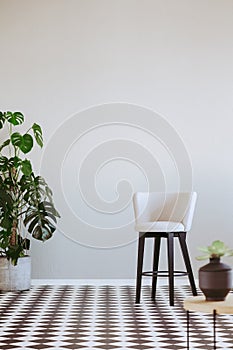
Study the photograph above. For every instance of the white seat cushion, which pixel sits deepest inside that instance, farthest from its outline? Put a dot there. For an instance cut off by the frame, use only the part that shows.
(160, 226)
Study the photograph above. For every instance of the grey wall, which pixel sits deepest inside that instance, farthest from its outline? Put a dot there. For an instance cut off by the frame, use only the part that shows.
(59, 58)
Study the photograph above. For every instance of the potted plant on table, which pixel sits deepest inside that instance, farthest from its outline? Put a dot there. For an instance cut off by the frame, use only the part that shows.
(215, 278)
(26, 204)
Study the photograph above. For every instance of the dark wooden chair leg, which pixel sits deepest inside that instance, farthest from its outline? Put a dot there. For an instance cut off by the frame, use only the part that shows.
(170, 253)
(157, 242)
(141, 244)
(184, 249)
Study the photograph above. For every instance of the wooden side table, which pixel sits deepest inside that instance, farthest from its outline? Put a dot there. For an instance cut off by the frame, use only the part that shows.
(199, 304)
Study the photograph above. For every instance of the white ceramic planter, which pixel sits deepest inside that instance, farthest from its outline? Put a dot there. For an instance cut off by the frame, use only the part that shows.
(13, 278)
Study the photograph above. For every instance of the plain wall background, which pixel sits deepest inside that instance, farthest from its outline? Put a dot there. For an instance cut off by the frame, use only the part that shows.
(59, 57)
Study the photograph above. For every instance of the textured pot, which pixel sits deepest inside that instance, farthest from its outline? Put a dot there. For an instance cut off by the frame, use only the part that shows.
(215, 280)
(15, 278)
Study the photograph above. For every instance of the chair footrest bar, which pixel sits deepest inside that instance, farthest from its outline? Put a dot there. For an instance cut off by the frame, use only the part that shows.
(164, 273)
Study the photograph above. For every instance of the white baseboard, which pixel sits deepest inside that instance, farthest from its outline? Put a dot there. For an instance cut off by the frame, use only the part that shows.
(102, 282)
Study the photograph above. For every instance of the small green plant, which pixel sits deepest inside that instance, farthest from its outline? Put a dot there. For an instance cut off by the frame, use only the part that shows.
(25, 198)
(216, 250)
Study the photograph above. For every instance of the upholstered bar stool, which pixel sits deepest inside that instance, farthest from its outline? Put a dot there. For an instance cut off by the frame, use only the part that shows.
(163, 215)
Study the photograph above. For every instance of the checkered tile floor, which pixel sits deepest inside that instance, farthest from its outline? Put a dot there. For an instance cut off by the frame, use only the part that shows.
(104, 317)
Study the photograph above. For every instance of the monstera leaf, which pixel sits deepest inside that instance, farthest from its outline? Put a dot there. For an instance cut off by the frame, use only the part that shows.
(5, 199)
(8, 164)
(15, 118)
(3, 163)
(6, 207)
(2, 119)
(24, 142)
(38, 134)
(35, 189)
(40, 220)
(26, 167)
(41, 214)
(5, 143)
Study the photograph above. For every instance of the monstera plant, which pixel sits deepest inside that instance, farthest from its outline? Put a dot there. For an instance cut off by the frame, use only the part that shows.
(26, 204)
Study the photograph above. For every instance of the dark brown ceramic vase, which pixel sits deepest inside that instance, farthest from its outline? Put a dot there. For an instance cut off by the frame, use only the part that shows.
(215, 280)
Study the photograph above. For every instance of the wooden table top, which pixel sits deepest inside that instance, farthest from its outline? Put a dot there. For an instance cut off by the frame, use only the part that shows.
(200, 304)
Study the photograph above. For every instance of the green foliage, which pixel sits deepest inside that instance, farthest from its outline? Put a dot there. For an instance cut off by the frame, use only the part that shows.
(216, 250)
(24, 197)
(38, 134)
(15, 118)
(24, 142)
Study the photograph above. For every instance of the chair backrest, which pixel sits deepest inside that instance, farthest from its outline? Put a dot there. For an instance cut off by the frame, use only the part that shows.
(162, 206)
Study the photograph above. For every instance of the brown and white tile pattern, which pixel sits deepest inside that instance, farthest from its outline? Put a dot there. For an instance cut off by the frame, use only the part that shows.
(104, 317)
